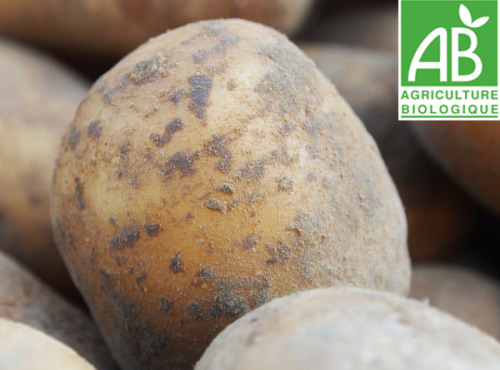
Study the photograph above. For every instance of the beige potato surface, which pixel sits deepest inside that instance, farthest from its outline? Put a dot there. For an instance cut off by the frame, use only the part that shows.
(466, 294)
(25, 299)
(468, 152)
(38, 99)
(440, 216)
(349, 329)
(25, 348)
(211, 170)
(115, 27)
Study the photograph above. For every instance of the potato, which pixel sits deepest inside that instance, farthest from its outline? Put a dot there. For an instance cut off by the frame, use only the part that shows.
(468, 152)
(440, 216)
(113, 28)
(38, 99)
(466, 294)
(23, 298)
(373, 25)
(24, 348)
(216, 168)
(349, 328)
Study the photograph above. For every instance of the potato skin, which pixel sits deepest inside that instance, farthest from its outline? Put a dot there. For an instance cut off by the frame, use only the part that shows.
(25, 348)
(227, 171)
(38, 99)
(468, 152)
(440, 216)
(466, 294)
(349, 328)
(114, 28)
(25, 299)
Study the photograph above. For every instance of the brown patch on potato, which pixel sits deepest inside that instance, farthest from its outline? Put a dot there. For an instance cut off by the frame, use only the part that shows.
(125, 147)
(172, 127)
(79, 195)
(176, 263)
(279, 254)
(194, 310)
(216, 205)
(95, 129)
(165, 305)
(182, 162)
(152, 229)
(227, 188)
(249, 242)
(127, 237)
(229, 304)
(285, 183)
(148, 70)
(176, 96)
(206, 274)
(200, 91)
(73, 138)
(218, 146)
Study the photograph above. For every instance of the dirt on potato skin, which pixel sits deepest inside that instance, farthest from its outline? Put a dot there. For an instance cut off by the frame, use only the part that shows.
(241, 218)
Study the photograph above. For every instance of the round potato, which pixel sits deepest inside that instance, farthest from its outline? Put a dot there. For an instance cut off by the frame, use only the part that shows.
(113, 28)
(216, 168)
(349, 328)
(23, 298)
(24, 348)
(464, 293)
(38, 99)
(439, 215)
(468, 151)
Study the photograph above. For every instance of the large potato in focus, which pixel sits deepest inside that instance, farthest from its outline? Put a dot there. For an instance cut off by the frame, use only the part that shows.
(464, 293)
(349, 328)
(114, 28)
(38, 99)
(439, 215)
(468, 152)
(23, 298)
(25, 348)
(211, 170)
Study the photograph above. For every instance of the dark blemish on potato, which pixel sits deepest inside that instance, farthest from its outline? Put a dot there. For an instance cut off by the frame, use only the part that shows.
(79, 195)
(126, 238)
(227, 188)
(156, 342)
(176, 263)
(94, 130)
(152, 229)
(201, 86)
(176, 96)
(217, 146)
(194, 310)
(262, 295)
(233, 204)
(119, 175)
(150, 112)
(216, 205)
(148, 70)
(280, 254)
(253, 170)
(182, 162)
(206, 274)
(140, 278)
(165, 305)
(231, 85)
(229, 304)
(172, 127)
(285, 183)
(134, 181)
(34, 199)
(125, 147)
(73, 138)
(112, 221)
(189, 216)
(249, 242)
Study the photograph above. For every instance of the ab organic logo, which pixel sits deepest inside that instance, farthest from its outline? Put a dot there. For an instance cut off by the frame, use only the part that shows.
(448, 60)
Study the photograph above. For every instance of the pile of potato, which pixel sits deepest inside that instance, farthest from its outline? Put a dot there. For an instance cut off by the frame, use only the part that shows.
(224, 198)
